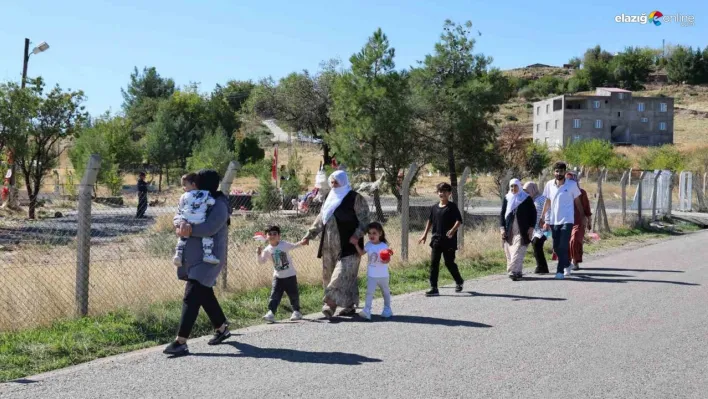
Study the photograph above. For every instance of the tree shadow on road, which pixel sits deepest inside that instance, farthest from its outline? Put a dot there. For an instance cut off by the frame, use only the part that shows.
(292, 355)
(582, 273)
(602, 269)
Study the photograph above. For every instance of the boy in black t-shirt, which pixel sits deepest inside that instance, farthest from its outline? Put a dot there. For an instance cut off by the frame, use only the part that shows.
(444, 219)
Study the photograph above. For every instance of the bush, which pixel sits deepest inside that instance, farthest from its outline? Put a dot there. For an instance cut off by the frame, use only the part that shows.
(511, 118)
(248, 150)
(212, 152)
(256, 169)
(527, 92)
(665, 157)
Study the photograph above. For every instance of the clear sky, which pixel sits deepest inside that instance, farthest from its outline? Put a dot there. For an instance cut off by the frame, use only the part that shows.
(95, 44)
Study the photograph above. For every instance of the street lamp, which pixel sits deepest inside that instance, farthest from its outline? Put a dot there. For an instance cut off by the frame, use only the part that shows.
(42, 47)
(10, 177)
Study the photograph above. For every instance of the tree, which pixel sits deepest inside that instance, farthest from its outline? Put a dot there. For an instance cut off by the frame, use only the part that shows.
(455, 96)
(509, 157)
(300, 100)
(373, 116)
(596, 68)
(159, 144)
(575, 62)
(142, 97)
(224, 106)
(679, 65)
(212, 152)
(110, 137)
(58, 115)
(631, 68)
(16, 109)
(538, 157)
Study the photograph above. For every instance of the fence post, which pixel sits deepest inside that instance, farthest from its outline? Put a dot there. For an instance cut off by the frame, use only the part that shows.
(461, 205)
(623, 186)
(83, 235)
(225, 188)
(629, 180)
(640, 194)
(654, 193)
(405, 209)
(705, 180)
(229, 177)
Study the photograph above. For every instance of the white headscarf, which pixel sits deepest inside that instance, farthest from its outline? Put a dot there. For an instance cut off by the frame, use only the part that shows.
(514, 200)
(336, 195)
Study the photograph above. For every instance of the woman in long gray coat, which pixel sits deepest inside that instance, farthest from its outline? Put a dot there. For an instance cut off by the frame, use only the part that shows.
(201, 276)
(342, 221)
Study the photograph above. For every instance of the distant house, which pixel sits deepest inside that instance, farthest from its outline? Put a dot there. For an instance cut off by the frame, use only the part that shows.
(611, 114)
(568, 66)
(539, 66)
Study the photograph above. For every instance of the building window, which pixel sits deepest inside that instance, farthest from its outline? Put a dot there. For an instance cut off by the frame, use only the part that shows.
(556, 124)
(663, 107)
(621, 96)
(598, 124)
(640, 107)
(596, 104)
(645, 120)
(619, 114)
(547, 124)
(538, 127)
(545, 140)
(576, 123)
(548, 108)
(662, 125)
(538, 110)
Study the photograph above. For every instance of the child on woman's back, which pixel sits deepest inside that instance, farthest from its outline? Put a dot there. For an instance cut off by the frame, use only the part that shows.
(378, 255)
(193, 205)
(284, 276)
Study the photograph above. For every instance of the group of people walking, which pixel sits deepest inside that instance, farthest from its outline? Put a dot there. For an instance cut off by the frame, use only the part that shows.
(529, 217)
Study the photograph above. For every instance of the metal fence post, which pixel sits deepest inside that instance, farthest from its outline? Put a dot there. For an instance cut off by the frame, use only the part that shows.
(461, 205)
(654, 194)
(623, 186)
(671, 193)
(226, 189)
(83, 235)
(405, 209)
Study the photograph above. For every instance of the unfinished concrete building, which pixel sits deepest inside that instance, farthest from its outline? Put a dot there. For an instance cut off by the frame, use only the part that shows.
(611, 114)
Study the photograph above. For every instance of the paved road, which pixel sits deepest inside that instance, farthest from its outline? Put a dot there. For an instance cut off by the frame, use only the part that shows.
(632, 326)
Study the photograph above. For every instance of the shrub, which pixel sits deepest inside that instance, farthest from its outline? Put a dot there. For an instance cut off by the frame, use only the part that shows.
(268, 198)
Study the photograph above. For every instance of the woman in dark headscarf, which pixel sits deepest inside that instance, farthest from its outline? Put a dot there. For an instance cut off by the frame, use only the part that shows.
(201, 276)
(582, 221)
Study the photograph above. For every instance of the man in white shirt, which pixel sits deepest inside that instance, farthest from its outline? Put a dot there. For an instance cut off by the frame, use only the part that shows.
(561, 197)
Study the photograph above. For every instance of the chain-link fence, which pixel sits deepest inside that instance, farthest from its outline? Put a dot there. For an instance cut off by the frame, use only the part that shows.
(90, 254)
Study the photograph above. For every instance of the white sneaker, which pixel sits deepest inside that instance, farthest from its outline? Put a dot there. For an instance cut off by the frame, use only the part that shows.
(296, 316)
(269, 317)
(365, 315)
(211, 259)
(567, 272)
(387, 313)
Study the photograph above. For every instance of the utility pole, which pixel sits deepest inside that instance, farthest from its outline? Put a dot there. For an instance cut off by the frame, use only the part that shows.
(12, 195)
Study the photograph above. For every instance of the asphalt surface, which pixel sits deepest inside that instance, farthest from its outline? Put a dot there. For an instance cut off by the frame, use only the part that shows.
(631, 324)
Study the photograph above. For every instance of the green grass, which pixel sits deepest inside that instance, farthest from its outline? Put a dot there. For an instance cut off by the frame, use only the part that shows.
(75, 341)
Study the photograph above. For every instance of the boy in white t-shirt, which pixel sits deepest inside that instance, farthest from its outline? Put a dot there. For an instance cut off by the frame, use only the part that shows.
(378, 256)
(284, 276)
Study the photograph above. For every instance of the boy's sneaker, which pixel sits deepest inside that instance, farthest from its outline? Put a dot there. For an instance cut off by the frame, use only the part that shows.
(364, 314)
(296, 316)
(387, 313)
(176, 349)
(559, 276)
(567, 272)
(574, 266)
(458, 287)
(177, 261)
(211, 259)
(433, 292)
(220, 336)
(269, 317)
